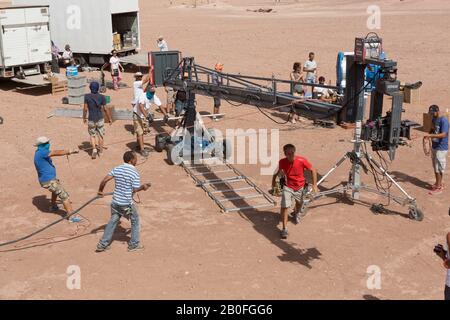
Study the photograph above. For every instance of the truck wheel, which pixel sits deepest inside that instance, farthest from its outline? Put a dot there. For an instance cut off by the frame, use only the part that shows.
(80, 61)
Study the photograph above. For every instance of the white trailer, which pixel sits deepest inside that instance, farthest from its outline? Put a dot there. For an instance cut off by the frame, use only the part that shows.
(88, 26)
(25, 46)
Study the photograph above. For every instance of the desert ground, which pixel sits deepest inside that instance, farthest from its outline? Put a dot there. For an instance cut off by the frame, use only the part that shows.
(192, 250)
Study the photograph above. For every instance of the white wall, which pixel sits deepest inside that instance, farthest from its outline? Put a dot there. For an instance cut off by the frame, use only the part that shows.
(119, 6)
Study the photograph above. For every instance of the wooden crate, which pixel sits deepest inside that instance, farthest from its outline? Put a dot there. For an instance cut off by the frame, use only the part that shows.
(58, 87)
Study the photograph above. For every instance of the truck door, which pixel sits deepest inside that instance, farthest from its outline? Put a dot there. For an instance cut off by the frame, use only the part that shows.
(14, 36)
(38, 34)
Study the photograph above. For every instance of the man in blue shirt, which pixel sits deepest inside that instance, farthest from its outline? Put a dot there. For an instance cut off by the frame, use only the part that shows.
(439, 138)
(95, 105)
(47, 174)
(128, 182)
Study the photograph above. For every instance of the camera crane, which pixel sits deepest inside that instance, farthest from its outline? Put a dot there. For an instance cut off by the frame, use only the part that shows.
(384, 133)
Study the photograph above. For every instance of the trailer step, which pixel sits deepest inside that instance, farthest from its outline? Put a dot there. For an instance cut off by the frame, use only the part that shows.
(210, 186)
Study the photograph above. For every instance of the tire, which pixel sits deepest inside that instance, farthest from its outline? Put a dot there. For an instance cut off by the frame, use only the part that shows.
(416, 214)
(80, 61)
(160, 142)
(170, 150)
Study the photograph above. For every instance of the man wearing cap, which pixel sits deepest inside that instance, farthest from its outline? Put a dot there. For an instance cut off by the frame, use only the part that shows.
(162, 44)
(439, 138)
(47, 174)
(95, 105)
(217, 80)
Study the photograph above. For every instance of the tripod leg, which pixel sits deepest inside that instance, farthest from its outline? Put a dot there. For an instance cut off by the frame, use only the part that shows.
(414, 212)
(387, 175)
(332, 169)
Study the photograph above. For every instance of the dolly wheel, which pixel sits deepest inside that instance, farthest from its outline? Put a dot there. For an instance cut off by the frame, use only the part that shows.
(416, 214)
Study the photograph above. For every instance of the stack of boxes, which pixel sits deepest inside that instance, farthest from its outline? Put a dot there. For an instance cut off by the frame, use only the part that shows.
(130, 39)
(117, 41)
(76, 89)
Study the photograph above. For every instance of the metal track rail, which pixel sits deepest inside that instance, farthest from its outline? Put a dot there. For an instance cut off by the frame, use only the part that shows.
(225, 192)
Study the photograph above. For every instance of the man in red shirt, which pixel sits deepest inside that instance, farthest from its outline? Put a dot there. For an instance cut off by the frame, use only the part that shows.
(292, 168)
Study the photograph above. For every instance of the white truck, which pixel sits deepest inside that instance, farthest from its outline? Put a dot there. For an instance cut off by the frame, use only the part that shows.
(93, 28)
(25, 45)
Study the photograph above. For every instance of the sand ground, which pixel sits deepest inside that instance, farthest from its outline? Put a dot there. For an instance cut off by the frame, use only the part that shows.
(192, 250)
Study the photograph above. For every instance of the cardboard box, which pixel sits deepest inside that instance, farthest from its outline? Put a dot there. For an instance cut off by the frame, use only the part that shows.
(117, 40)
(427, 122)
(411, 96)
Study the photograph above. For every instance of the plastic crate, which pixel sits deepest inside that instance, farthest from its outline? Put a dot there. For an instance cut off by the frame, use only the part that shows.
(77, 91)
(76, 99)
(76, 82)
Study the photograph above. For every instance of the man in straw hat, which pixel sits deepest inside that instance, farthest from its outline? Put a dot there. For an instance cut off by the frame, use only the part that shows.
(47, 174)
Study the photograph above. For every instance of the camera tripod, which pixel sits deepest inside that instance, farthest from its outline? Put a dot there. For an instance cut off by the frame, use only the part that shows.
(356, 186)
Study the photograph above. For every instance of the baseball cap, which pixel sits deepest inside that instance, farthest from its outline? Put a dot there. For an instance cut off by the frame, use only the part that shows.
(434, 108)
(41, 140)
(138, 74)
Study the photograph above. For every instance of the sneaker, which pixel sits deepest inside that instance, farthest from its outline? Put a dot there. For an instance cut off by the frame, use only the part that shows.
(134, 249)
(284, 234)
(434, 187)
(54, 208)
(102, 249)
(436, 191)
(94, 154)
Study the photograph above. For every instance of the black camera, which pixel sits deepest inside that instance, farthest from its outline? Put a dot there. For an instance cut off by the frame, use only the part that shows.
(384, 136)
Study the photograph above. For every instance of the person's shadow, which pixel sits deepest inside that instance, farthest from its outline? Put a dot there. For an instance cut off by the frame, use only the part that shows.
(42, 203)
(403, 177)
(121, 234)
(266, 223)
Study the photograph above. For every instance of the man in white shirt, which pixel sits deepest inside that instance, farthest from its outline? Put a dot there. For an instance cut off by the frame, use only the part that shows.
(310, 68)
(141, 113)
(162, 44)
(67, 56)
(324, 94)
